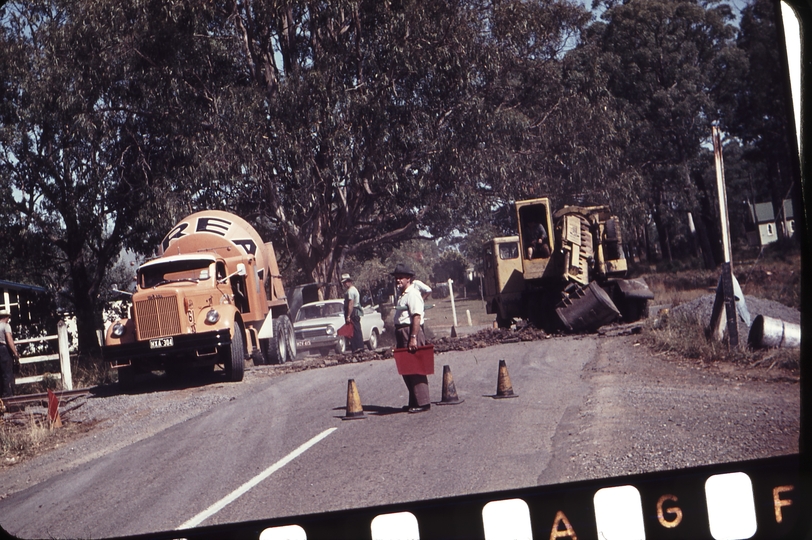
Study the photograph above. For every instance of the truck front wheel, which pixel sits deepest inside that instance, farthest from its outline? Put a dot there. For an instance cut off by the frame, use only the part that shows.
(234, 361)
(126, 378)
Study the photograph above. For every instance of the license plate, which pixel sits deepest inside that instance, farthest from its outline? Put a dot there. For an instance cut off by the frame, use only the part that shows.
(302, 342)
(161, 343)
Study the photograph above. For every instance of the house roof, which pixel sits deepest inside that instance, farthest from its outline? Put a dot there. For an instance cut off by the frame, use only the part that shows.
(764, 212)
(21, 287)
(789, 211)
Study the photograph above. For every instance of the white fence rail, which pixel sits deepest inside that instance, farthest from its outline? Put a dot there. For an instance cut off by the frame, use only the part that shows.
(63, 357)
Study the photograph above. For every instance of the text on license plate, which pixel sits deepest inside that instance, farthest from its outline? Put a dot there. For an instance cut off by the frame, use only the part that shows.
(302, 342)
(160, 343)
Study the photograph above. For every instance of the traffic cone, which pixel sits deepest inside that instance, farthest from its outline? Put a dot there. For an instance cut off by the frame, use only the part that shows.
(503, 387)
(450, 396)
(354, 408)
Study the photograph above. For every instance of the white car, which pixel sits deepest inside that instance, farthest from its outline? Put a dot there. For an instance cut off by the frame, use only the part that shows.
(317, 323)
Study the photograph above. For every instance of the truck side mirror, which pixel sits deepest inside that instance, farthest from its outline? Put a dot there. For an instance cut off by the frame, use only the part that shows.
(116, 290)
(240, 272)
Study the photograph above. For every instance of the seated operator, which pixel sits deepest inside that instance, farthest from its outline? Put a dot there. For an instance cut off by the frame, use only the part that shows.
(536, 240)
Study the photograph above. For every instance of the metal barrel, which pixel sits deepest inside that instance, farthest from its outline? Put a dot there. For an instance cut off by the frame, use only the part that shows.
(767, 332)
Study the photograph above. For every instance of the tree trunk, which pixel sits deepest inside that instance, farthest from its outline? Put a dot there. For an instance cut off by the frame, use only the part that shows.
(85, 309)
(662, 235)
(704, 244)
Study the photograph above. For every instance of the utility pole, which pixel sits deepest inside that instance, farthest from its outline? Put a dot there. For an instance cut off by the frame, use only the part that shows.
(728, 292)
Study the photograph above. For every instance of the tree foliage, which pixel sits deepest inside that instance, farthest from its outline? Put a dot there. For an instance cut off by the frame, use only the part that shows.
(343, 130)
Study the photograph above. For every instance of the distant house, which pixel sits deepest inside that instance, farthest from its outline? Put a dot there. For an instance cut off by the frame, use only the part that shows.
(761, 228)
(24, 302)
(788, 219)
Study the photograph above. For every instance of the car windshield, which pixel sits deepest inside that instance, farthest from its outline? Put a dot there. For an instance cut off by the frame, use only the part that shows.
(319, 310)
(174, 271)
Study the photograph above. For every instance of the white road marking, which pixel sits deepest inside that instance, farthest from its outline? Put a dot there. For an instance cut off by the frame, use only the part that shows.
(240, 491)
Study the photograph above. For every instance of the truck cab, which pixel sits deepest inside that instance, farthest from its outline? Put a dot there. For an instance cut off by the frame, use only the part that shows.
(503, 283)
(536, 240)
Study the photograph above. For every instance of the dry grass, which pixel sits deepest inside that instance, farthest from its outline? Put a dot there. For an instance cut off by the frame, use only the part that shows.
(774, 276)
(24, 435)
(21, 439)
(85, 373)
(771, 275)
(684, 336)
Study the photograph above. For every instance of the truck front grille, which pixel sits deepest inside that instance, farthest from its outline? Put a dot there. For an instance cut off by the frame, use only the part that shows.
(157, 317)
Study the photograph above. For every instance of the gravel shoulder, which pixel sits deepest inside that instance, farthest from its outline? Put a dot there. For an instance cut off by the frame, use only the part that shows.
(647, 412)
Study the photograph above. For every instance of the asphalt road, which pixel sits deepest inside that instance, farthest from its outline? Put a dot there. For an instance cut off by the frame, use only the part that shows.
(587, 407)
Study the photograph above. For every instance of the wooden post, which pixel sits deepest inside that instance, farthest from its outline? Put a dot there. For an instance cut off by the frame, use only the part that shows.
(64, 355)
(453, 306)
(724, 291)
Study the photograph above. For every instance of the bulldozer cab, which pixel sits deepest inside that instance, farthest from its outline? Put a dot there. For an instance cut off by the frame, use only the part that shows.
(535, 236)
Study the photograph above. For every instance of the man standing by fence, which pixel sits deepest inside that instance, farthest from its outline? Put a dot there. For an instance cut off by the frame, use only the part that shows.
(8, 355)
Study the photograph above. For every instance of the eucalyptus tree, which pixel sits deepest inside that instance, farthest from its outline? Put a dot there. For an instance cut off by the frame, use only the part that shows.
(667, 62)
(99, 129)
(381, 121)
(759, 111)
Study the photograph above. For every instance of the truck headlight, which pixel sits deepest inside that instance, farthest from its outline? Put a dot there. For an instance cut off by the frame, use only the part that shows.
(330, 330)
(118, 329)
(212, 316)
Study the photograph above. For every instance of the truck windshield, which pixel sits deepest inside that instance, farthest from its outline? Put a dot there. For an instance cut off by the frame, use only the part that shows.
(174, 271)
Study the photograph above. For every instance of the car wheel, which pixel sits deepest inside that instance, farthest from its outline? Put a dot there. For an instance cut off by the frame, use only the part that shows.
(341, 345)
(234, 361)
(373, 340)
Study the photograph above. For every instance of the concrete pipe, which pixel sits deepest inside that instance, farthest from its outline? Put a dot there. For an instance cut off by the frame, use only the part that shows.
(767, 332)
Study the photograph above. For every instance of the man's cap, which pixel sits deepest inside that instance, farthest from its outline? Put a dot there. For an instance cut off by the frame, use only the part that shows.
(4, 313)
(402, 269)
(345, 277)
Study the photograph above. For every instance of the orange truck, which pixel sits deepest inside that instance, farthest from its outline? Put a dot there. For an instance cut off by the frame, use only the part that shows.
(212, 297)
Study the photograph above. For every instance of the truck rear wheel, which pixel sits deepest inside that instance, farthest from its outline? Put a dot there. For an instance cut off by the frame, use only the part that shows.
(234, 361)
(278, 344)
(290, 336)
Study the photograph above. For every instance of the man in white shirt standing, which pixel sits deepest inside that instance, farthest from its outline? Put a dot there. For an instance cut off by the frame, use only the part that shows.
(409, 311)
(353, 312)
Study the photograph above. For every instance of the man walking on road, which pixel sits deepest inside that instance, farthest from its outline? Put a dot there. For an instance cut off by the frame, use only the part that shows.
(409, 310)
(353, 312)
